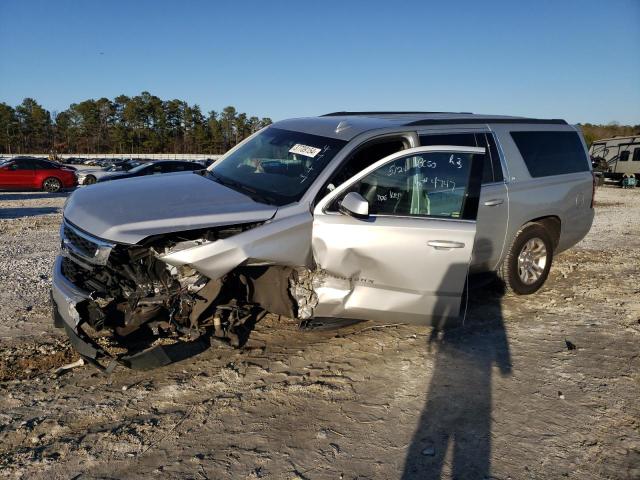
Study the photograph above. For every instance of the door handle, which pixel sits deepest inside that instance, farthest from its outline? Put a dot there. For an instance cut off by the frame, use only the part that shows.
(494, 202)
(444, 244)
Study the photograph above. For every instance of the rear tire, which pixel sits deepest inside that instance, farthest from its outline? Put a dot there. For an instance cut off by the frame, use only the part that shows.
(52, 185)
(527, 264)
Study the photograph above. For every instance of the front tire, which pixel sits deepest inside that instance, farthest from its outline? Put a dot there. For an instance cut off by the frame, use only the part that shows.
(52, 185)
(526, 266)
(90, 180)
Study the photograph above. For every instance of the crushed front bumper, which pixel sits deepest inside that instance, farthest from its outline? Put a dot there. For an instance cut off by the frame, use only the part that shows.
(65, 297)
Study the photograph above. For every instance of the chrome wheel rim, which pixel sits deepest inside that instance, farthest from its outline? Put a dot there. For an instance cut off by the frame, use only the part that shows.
(532, 260)
(51, 185)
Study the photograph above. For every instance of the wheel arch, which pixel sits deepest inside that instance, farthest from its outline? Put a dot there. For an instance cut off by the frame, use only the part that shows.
(552, 224)
(549, 224)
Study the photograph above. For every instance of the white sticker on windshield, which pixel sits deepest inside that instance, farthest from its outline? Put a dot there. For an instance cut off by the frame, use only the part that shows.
(305, 150)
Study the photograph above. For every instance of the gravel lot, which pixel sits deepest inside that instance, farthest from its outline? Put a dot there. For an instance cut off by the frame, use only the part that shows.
(503, 397)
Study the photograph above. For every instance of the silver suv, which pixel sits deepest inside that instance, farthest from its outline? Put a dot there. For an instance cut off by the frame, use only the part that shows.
(351, 215)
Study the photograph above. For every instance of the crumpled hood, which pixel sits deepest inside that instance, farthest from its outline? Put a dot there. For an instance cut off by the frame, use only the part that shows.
(130, 210)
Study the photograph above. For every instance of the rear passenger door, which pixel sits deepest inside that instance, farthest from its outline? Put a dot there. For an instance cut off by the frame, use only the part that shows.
(493, 212)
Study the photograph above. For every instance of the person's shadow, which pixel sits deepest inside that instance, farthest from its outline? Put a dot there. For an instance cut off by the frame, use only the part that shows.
(455, 424)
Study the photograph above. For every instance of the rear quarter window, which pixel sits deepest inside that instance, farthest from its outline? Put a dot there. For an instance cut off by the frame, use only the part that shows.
(492, 171)
(551, 153)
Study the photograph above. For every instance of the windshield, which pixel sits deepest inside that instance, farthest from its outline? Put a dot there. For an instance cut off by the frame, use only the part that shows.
(4, 161)
(276, 166)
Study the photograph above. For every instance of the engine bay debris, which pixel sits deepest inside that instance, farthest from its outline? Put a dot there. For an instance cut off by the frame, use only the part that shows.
(144, 313)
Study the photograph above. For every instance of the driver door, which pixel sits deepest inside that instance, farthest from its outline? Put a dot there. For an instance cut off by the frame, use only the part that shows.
(407, 259)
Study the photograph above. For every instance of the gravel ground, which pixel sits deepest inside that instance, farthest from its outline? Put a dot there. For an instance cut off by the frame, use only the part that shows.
(506, 396)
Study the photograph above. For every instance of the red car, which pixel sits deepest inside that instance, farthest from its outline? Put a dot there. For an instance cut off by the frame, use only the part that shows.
(24, 173)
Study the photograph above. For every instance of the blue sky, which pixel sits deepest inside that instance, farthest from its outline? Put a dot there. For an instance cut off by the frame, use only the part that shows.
(574, 59)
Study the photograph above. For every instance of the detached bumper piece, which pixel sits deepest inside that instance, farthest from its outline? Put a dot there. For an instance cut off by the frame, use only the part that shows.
(154, 357)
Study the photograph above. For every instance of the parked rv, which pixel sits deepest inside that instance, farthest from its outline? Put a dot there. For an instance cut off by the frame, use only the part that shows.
(617, 158)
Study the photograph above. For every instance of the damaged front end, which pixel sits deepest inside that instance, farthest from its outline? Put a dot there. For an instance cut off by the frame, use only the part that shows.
(123, 304)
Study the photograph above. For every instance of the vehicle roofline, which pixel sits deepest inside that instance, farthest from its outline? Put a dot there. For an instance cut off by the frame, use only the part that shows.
(348, 127)
(365, 113)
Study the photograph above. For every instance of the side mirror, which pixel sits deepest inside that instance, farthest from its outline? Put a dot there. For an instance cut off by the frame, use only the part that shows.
(13, 166)
(355, 205)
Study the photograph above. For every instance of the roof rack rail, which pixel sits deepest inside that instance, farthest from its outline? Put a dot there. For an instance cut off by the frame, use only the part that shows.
(483, 120)
(341, 114)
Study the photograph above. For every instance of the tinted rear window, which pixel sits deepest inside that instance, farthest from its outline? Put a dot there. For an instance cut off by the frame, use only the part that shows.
(551, 153)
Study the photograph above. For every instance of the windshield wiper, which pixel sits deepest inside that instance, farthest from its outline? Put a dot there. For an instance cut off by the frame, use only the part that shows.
(242, 188)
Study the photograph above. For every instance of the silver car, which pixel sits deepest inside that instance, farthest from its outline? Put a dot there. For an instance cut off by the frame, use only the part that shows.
(354, 215)
(92, 175)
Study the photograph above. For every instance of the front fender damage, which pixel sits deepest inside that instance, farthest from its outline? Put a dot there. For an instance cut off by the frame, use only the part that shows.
(152, 304)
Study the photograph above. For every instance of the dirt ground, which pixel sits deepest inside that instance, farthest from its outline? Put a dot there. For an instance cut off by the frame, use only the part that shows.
(505, 396)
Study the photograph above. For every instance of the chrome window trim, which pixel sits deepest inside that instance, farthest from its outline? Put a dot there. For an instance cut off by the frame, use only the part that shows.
(412, 217)
(493, 183)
